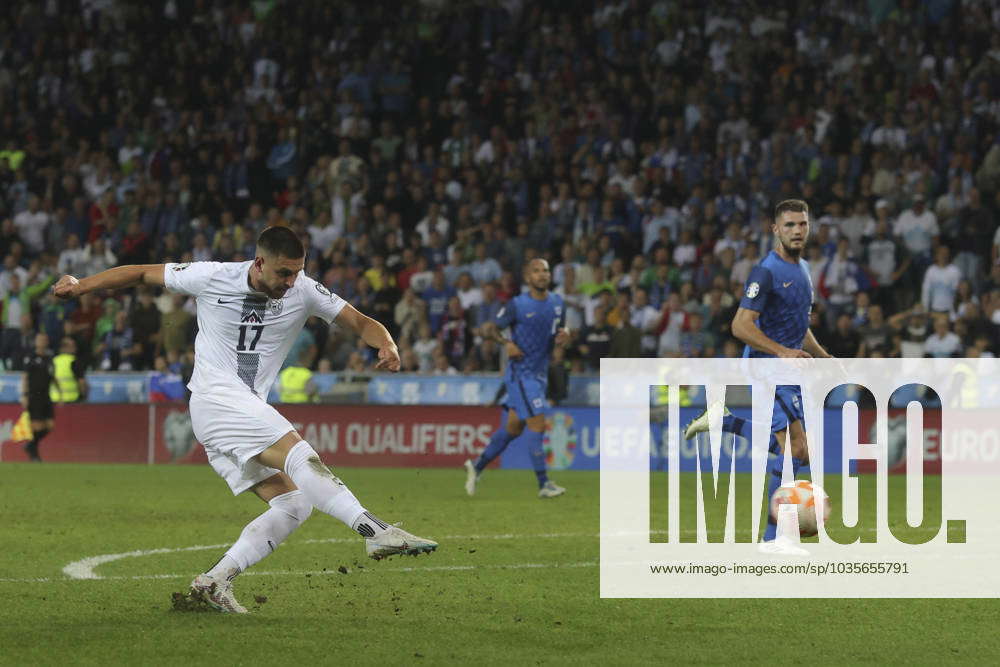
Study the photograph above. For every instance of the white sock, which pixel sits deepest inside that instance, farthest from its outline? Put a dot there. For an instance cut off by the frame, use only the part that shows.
(327, 493)
(262, 535)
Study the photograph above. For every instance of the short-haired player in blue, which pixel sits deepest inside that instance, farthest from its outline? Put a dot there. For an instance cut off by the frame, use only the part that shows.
(536, 321)
(773, 321)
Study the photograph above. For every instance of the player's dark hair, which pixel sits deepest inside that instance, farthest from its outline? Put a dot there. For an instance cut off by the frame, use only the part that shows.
(280, 242)
(793, 205)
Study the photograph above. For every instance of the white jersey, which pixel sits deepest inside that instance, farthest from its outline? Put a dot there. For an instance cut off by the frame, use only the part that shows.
(243, 336)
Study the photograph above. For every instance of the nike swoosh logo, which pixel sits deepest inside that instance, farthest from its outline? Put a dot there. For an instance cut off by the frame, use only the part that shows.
(530, 315)
(786, 284)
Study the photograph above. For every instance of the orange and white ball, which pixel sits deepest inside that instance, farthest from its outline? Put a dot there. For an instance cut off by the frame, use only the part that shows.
(809, 498)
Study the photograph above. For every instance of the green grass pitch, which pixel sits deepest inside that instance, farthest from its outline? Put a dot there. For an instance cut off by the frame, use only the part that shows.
(514, 582)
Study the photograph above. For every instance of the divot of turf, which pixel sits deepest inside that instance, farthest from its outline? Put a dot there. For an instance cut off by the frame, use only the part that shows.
(189, 602)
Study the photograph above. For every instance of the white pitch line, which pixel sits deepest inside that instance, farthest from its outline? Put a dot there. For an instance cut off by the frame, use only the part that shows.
(321, 573)
(84, 568)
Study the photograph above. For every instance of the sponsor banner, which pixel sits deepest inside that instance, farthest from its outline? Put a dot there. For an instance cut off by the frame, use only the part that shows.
(417, 436)
(584, 390)
(84, 434)
(446, 436)
(572, 443)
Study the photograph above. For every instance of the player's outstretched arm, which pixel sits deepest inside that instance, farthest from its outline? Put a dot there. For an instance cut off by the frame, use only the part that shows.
(69, 287)
(373, 334)
(745, 328)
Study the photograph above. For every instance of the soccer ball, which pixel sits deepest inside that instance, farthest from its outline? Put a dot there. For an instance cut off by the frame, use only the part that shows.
(807, 497)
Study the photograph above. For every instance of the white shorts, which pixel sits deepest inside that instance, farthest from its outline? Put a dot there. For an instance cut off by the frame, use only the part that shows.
(233, 427)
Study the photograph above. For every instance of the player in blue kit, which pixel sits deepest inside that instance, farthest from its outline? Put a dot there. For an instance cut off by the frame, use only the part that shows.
(773, 321)
(536, 321)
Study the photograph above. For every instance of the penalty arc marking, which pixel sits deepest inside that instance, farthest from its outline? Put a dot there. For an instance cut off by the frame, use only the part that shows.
(85, 567)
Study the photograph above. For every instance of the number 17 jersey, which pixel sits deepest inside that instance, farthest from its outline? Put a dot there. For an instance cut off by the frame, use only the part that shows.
(244, 336)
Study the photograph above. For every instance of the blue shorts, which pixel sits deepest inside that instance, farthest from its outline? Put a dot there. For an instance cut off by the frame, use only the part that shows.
(787, 407)
(526, 397)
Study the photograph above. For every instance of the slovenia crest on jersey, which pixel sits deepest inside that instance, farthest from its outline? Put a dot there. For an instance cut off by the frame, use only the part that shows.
(275, 306)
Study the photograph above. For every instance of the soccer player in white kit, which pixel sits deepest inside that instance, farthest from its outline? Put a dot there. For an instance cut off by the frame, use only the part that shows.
(249, 315)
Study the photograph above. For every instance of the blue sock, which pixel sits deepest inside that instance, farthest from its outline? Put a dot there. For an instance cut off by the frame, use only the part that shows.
(736, 425)
(773, 482)
(533, 439)
(498, 442)
(796, 466)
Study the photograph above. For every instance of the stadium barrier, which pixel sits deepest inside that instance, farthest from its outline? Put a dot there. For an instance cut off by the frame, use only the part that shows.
(440, 436)
(402, 389)
(383, 389)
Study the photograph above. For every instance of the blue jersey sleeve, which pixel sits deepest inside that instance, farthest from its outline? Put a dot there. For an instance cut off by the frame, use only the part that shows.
(507, 314)
(758, 289)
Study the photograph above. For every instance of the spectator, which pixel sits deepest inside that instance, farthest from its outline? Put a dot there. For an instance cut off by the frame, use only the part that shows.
(644, 317)
(145, 321)
(80, 326)
(626, 339)
(118, 350)
(845, 342)
(888, 262)
(943, 342)
(455, 336)
(425, 346)
(434, 221)
(19, 301)
(838, 281)
(18, 345)
(696, 340)
(468, 294)
(176, 326)
(442, 365)
(408, 315)
(918, 228)
(647, 162)
(673, 318)
(32, 224)
(97, 257)
(940, 283)
(877, 333)
(9, 237)
(437, 296)
(595, 340)
(484, 269)
(72, 260)
(914, 327)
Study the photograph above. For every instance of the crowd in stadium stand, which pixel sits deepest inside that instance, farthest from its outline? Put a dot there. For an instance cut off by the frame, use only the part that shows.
(426, 150)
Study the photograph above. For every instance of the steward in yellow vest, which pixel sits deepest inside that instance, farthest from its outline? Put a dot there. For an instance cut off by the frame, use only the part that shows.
(295, 383)
(69, 385)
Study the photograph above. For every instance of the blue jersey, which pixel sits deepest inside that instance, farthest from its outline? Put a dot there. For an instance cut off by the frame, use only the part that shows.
(782, 293)
(533, 325)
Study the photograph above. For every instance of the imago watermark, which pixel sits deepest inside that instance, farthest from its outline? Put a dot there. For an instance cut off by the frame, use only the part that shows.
(907, 451)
